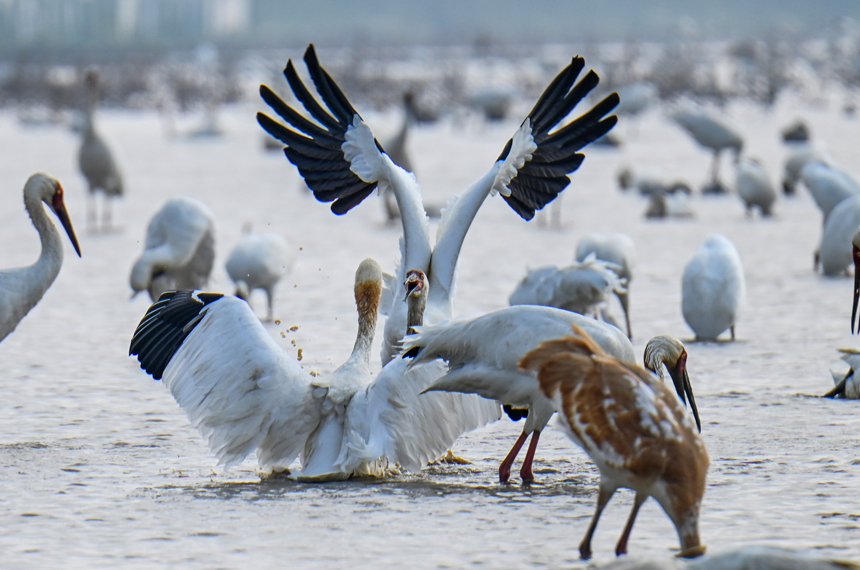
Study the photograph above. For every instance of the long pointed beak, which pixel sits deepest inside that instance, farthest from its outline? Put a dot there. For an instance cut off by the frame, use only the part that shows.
(856, 287)
(685, 391)
(63, 215)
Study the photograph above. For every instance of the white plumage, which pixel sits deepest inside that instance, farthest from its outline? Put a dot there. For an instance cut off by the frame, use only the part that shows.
(828, 185)
(245, 394)
(21, 288)
(483, 357)
(582, 287)
(179, 250)
(259, 261)
(615, 248)
(713, 288)
(342, 162)
(795, 163)
(835, 250)
(754, 187)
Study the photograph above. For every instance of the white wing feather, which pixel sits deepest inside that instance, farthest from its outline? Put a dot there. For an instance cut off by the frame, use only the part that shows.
(392, 421)
(240, 389)
(522, 147)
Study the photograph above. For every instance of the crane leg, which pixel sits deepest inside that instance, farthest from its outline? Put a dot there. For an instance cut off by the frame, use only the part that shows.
(505, 467)
(526, 471)
(602, 500)
(715, 169)
(621, 548)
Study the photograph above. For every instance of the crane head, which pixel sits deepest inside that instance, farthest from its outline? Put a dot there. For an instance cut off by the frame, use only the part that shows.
(59, 207)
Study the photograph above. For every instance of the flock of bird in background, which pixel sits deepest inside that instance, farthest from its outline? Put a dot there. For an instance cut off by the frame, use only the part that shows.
(556, 349)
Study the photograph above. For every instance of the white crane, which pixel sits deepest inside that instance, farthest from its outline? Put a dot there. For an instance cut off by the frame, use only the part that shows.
(245, 394)
(96, 161)
(22, 287)
(828, 185)
(179, 250)
(615, 248)
(835, 250)
(712, 133)
(624, 419)
(713, 288)
(847, 385)
(259, 261)
(582, 287)
(483, 355)
(754, 186)
(342, 162)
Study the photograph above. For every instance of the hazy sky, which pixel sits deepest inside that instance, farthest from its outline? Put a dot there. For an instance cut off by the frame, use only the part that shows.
(383, 22)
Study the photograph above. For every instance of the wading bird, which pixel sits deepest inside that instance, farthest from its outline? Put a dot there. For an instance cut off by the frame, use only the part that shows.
(179, 250)
(259, 261)
(714, 134)
(483, 355)
(96, 161)
(754, 187)
(634, 429)
(245, 394)
(582, 287)
(713, 288)
(21, 288)
(835, 252)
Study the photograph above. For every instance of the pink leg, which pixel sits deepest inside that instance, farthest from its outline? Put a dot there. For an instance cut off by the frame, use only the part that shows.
(622, 542)
(505, 467)
(602, 499)
(526, 471)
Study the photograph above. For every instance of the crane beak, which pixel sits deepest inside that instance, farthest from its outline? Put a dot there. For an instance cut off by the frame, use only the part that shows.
(681, 380)
(856, 286)
(63, 215)
(412, 285)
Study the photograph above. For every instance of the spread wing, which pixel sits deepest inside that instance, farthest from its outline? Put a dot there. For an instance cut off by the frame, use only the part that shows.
(235, 383)
(533, 182)
(318, 149)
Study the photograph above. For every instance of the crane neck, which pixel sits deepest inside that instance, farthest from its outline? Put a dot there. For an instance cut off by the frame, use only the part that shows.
(47, 267)
(367, 295)
(415, 305)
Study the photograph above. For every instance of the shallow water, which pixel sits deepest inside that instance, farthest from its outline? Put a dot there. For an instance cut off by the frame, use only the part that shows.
(100, 468)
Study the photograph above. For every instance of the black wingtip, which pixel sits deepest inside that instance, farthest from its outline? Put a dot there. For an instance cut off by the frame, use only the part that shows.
(311, 54)
(540, 180)
(165, 326)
